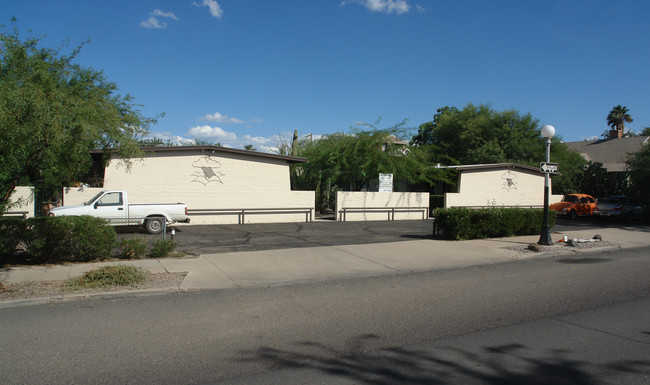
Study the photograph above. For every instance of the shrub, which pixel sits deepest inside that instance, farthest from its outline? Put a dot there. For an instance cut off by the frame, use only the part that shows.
(78, 239)
(115, 275)
(162, 248)
(132, 248)
(463, 223)
(12, 233)
(92, 239)
(49, 239)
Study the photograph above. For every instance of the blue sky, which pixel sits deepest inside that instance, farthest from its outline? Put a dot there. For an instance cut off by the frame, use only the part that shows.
(247, 71)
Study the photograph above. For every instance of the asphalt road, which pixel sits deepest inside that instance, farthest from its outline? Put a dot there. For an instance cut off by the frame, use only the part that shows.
(495, 324)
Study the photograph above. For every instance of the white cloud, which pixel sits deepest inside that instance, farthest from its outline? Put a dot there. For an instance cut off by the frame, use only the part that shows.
(158, 12)
(230, 139)
(256, 139)
(383, 6)
(153, 22)
(212, 133)
(218, 118)
(213, 6)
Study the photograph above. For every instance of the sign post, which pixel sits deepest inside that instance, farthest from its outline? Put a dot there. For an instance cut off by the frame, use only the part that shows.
(546, 167)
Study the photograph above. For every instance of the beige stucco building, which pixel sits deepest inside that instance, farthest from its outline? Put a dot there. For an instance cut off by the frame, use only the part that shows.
(498, 185)
(219, 185)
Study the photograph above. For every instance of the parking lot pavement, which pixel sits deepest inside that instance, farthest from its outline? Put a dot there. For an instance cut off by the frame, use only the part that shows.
(210, 239)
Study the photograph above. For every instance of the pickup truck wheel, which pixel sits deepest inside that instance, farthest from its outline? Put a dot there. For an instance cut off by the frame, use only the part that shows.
(154, 225)
(572, 215)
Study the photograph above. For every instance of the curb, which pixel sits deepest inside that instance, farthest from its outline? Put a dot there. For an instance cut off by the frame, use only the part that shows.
(79, 297)
(577, 251)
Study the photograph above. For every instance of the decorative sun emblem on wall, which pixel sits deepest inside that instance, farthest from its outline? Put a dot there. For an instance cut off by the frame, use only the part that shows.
(509, 181)
(207, 171)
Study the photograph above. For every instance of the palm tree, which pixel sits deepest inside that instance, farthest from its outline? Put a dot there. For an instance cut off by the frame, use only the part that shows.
(617, 118)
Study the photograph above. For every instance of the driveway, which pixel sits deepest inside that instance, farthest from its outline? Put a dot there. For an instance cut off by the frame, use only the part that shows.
(202, 239)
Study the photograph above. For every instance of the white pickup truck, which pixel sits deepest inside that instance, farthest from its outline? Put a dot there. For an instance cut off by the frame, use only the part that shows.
(115, 208)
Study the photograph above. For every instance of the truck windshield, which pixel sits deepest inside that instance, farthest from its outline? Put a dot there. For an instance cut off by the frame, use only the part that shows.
(93, 199)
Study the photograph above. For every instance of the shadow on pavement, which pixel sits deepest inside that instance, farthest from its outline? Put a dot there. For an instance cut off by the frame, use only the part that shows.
(505, 364)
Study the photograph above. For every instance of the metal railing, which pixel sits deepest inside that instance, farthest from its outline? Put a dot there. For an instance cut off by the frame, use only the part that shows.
(389, 210)
(241, 213)
(22, 214)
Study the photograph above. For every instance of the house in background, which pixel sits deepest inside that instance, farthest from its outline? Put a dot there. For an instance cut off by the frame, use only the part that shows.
(612, 153)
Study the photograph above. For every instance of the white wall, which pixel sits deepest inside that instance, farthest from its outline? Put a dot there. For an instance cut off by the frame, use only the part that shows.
(77, 195)
(370, 201)
(499, 187)
(26, 196)
(211, 181)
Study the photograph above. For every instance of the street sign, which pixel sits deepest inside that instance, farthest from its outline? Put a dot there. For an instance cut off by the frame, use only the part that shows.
(549, 168)
(385, 182)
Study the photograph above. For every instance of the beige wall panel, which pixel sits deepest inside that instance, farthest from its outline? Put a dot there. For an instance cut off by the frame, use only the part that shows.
(78, 195)
(202, 181)
(25, 194)
(287, 201)
(369, 199)
(505, 187)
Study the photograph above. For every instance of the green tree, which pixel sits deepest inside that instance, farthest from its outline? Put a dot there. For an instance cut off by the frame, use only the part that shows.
(249, 147)
(479, 134)
(53, 111)
(597, 182)
(638, 165)
(203, 142)
(617, 118)
(645, 131)
(354, 160)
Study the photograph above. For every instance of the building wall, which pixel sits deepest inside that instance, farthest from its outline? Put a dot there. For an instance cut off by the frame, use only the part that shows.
(499, 187)
(206, 180)
(77, 195)
(376, 205)
(26, 196)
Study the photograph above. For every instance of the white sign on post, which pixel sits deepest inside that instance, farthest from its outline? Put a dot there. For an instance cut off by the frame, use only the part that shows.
(549, 168)
(385, 182)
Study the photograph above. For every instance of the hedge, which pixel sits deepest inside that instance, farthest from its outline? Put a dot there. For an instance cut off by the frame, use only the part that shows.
(55, 239)
(463, 223)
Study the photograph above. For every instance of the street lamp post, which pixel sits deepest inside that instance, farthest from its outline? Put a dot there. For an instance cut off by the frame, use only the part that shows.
(545, 237)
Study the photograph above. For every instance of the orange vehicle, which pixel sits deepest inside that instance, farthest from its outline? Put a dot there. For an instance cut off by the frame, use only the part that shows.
(573, 205)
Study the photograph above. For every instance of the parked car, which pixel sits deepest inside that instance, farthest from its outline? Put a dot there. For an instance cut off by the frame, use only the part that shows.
(573, 205)
(116, 209)
(618, 207)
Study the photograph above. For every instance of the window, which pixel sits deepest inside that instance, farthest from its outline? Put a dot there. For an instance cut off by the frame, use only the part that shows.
(111, 199)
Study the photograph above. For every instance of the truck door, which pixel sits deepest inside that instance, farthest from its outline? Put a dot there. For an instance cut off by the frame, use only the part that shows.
(112, 208)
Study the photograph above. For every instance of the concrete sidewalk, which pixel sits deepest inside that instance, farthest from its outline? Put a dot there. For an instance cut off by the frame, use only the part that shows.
(287, 266)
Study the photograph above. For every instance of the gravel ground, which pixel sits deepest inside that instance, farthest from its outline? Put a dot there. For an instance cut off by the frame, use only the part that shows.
(564, 247)
(49, 289)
